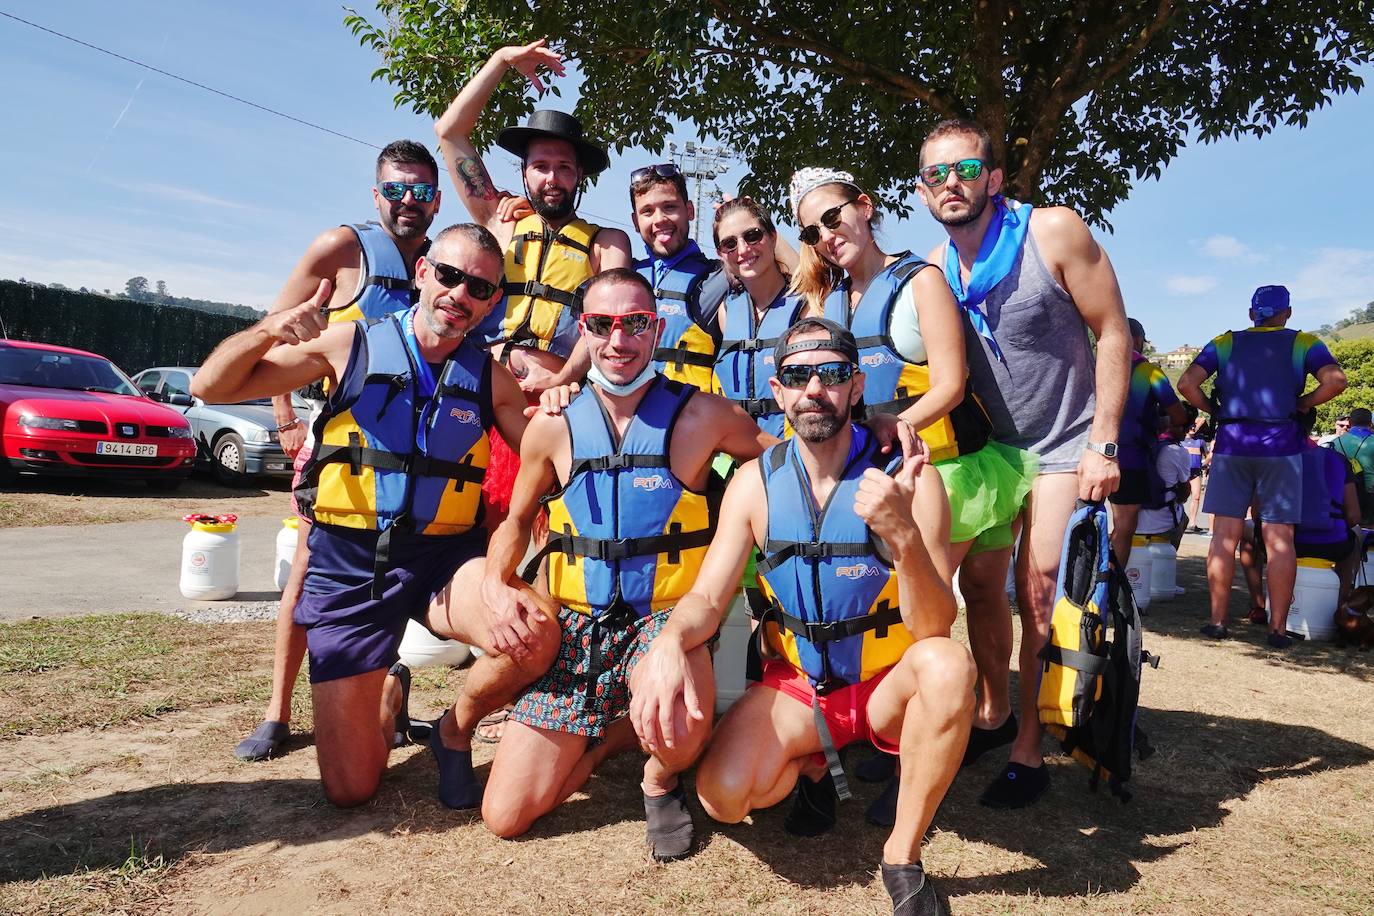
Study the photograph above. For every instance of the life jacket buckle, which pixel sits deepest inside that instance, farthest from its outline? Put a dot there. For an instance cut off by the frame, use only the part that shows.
(829, 685)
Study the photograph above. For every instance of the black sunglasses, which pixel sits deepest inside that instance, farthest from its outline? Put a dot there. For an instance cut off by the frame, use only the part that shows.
(830, 219)
(749, 237)
(449, 277)
(422, 191)
(798, 375)
(967, 169)
(664, 170)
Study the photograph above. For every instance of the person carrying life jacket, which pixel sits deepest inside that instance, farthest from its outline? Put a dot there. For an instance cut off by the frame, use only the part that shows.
(393, 489)
(629, 525)
(1257, 456)
(859, 630)
(688, 285)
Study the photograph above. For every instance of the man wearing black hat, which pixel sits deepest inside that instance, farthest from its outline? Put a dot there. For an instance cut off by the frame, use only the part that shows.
(837, 524)
(1148, 394)
(550, 253)
(1257, 457)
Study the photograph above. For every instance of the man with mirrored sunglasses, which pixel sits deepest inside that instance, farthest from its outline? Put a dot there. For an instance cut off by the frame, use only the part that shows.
(630, 515)
(394, 493)
(1032, 283)
(369, 267)
(856, 638)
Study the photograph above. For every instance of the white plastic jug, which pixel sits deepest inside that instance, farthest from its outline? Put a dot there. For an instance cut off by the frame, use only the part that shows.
(210, 558)
(1163, 568)
(286, 550)
(731, 653)
(420, 647)
(1139, 569)
(1315, 594)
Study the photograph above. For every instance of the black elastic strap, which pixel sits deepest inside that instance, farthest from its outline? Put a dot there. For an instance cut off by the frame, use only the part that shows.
(759, 407)
(536, 290)
(381, 562)
(610, 550)
(616, 462)
(460, 472)
(680, 357)
(832, 756)
(357, 457)
(1089, 664)
(883, 616)
(389, 283)
(896, 406)
(778, 552)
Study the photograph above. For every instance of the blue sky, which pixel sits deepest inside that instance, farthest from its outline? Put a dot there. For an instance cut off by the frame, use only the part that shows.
(121, 172)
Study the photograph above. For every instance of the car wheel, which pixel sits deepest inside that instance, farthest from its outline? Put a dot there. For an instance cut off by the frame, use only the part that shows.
(166, 485)
(228, 459)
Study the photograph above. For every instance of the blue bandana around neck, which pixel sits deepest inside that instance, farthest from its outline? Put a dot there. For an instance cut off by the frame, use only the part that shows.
(659, 267)
(1002, 241)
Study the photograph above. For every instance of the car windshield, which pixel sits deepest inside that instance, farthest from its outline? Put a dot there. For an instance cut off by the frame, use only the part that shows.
(67, 371)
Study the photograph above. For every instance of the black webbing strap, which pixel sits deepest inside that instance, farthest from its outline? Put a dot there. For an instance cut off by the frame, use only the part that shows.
(896, 406)
(758, 407)
(832, 756)
(460, 472)
(357, 456)
(748, 345)
(381, 562)
(616, 462)
(872, 340)
(775, 553)
(609, 550)
(389, 282)
(537, 290)
(883, 616)
(680, 357)
(1090, 664)
(618, 617)
(670, 294)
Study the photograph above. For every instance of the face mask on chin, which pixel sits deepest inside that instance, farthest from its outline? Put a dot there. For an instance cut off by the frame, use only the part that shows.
(595, 374)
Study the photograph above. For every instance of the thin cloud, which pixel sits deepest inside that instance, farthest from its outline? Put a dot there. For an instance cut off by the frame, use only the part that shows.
(1334, 281)
(178, 194)
(1230, 248)
(1185, 285)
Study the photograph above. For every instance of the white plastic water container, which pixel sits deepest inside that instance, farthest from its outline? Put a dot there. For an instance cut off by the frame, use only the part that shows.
(421, 648)
(1315, 594)
(210, 558)
(1139, 570)
(286, 550)
(730, 654)
(1163, 567)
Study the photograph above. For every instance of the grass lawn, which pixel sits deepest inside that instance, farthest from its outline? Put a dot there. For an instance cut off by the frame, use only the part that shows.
(118, 794)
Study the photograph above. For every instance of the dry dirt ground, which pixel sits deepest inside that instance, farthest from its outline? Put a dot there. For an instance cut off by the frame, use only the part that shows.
(47, 501)
(118, 794)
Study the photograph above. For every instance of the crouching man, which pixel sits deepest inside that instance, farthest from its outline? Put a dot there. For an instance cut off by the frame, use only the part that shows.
(859, 629)
(628, 528)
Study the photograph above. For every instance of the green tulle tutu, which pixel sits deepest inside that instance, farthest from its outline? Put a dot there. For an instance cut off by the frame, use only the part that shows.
(986, 491)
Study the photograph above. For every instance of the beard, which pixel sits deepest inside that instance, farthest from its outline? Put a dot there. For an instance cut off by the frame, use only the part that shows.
(556, 211)
(820, 426)
(977, 203)
(415, 229)
(438, 326)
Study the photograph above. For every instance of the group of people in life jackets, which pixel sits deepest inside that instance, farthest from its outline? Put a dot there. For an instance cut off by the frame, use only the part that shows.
(888, 421)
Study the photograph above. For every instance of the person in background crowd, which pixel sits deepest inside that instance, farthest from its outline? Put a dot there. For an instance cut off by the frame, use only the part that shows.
(1165, 515)
(1032, 283)
(1357, 445)
(1342, 427)
(1330, 510)
(1199, 457)
(1260, 374)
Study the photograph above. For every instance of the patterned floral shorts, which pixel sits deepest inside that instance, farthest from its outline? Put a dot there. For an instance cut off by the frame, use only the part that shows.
(564, 699)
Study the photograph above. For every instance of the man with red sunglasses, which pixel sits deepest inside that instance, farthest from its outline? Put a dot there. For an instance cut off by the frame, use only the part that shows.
(370, 268)
(394, 493)
(628, 525)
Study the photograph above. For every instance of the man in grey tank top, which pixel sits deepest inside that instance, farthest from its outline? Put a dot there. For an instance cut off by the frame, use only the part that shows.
(1029, 303)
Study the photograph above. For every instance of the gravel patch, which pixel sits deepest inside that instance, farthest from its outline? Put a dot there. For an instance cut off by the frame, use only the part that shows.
(245, 612)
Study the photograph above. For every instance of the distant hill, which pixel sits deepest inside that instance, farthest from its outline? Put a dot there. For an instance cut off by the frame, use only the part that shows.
(1349, 332)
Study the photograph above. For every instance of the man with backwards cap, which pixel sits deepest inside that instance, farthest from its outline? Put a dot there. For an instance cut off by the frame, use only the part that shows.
(1257, 456)
(1148, 394)
(857, 637)
(629, 524)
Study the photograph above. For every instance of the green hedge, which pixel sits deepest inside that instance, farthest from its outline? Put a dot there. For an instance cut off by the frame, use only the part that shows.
(135, 335)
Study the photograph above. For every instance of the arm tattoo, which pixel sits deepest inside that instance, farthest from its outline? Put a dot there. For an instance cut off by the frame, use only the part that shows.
(476, 179)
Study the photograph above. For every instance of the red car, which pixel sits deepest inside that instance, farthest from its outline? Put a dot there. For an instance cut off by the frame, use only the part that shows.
(72, 413)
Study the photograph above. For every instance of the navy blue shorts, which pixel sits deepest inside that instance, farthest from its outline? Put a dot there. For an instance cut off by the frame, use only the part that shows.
(348, 631)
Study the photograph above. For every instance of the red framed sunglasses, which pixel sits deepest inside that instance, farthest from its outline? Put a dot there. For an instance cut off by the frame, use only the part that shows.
(632, 324)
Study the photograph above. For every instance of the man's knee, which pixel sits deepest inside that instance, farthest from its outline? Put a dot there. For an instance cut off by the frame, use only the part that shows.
(349, 788)
(945, 672)
(508, 816)
(723, 790)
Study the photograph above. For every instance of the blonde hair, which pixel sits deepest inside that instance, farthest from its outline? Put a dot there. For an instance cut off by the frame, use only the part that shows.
(815, 277)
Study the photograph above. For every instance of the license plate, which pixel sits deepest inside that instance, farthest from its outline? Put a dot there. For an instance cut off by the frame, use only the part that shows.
(276, 465)
(132, 449)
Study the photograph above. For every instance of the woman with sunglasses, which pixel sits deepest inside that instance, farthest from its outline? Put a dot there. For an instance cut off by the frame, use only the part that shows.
(911, 352)
(756, 312)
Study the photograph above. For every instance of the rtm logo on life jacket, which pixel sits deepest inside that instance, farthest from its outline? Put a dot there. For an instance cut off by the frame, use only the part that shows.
(857, 571)
(462, 415)
(768, 360)
(651, 483)
(671, 308)
(881, 358)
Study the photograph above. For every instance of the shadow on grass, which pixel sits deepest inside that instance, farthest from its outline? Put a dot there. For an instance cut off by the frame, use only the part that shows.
(1181, 617)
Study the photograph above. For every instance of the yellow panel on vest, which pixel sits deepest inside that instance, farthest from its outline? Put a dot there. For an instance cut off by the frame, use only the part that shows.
(673, 580)
(1058, 684)
(566, 583)
(881, 653)
(694, 340)
(562, 267)
(458, 508)
(341, 497)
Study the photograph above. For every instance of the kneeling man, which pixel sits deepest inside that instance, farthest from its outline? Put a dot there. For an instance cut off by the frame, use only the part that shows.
(628, 527)
(859, 626)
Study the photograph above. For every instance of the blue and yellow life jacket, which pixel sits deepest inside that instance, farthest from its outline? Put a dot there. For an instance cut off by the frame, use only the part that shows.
(394, 448)
(544, 270)
(1260, 374)
(626, 537)
(686, 350)
(891, 384)
(386, 284)
(745, 361)
(834, 612)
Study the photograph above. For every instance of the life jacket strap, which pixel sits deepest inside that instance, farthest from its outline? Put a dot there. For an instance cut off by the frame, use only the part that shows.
(759, 407)
(778, 552)
(670, 294)
(1090, 664)
(747, 345)
(832, 755)
(895, 406)
(616, 462)
(536, 290)
(610, 550)
(461, 473)
(390, 283)
(680, 356)
(357, 457)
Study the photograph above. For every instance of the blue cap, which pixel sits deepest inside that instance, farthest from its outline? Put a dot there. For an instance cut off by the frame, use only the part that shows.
(1268, 301)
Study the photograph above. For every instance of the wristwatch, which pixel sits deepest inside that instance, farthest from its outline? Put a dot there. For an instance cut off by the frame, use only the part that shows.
(1105, 449)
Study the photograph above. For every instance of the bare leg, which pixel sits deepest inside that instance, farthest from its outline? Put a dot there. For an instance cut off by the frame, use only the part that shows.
(982, 581)
(925, 705)
(1124, 521)
(289, 647)
(1195, 485)
(1253, 570)
(1221, 563)
(354, 717)
(1281, 573)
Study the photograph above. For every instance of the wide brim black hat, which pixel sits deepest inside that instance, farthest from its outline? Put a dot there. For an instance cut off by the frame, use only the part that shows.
(555, 125)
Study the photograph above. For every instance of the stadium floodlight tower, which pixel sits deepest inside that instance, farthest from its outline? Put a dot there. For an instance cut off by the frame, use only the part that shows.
(700, 163)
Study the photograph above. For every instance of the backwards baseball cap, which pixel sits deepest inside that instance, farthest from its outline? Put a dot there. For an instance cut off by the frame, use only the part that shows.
(839, 340)
(1137, 329)
(1268, 301)
(1360, 416)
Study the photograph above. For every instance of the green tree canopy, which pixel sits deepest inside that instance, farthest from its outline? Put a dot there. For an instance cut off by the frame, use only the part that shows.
(1081, 98)
(1357, 359)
